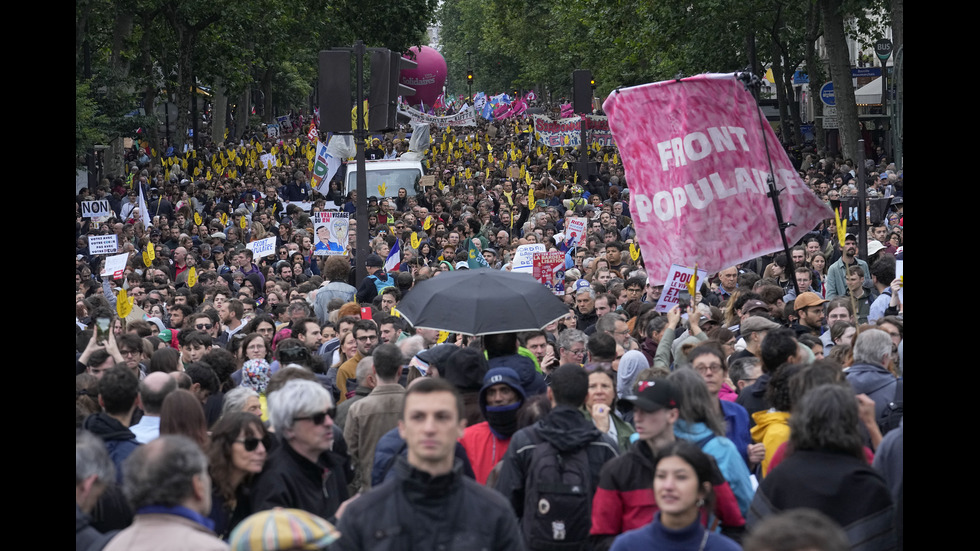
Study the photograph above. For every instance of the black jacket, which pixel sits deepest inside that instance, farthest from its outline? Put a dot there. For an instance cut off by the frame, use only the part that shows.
(566, 429)
(753, 397)
(291, 480)
(417, 511)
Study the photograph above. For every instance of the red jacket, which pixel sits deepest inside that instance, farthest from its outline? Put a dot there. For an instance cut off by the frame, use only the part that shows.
(483, 449)
(624, 500)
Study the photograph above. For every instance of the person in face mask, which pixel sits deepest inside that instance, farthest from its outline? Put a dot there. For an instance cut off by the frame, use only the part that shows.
(500, 398)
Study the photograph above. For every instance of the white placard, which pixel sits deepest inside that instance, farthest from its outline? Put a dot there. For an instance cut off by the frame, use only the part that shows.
(900, 273)
(115, 265)
(676, 282)
(524, 257)
(95, 209)
(103, 244)
(262, 247)
(574, 231)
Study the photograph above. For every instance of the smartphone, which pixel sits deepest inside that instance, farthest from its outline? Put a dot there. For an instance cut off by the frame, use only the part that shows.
(102, 329)
(684, 300)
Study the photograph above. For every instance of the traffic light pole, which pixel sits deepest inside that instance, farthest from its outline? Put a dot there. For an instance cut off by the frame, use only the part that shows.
(360, 133)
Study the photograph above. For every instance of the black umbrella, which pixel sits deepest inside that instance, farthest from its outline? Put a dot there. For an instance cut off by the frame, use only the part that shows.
(481, 302)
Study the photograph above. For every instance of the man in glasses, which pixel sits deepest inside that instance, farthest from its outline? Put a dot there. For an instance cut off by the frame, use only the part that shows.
(367, 336)
(303, 472)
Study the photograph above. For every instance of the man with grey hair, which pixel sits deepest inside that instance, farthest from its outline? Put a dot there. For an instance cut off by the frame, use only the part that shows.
(93, 473)
(571, 347)
(868, 375)
(303, 472)
(153, 389)
(615, 326)
(167, 483)
(585, 308)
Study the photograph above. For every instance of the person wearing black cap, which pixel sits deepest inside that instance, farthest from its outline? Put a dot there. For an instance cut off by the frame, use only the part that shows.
(623, 500)
(376, 279)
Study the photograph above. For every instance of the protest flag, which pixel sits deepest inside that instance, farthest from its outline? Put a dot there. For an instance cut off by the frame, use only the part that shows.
(394, 261)
(699, 155)
(475, 258)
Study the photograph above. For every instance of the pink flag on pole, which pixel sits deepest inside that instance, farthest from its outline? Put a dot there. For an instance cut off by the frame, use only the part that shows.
(696, 165)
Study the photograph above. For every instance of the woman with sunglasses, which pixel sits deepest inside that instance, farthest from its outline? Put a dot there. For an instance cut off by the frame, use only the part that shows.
(237, 453)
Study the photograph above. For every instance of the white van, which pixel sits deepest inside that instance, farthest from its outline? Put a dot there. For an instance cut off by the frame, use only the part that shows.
(395, 174)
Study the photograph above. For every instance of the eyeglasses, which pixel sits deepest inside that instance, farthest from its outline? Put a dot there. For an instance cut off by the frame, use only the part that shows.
(574, 352)
(318, 418)
(252, 443)
(203, 326)
(705, 369)
(366, 338)
(129, 352)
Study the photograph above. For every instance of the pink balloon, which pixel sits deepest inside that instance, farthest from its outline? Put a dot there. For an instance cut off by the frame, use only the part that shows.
(428, 78)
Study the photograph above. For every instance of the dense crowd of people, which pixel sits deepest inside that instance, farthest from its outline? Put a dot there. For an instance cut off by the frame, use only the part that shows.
(220, 394)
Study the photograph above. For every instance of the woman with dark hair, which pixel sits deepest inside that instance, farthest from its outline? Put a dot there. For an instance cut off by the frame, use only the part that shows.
(237, 453)
(825, 469)
(701, 423)
(264, 325)
(683, 482)
(842, 332)
(166, 360)
(183, 414)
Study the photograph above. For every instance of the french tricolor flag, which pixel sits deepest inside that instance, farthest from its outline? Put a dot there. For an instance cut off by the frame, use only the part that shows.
(394, 261)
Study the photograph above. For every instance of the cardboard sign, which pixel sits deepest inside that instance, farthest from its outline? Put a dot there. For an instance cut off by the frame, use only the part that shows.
(549, 269)
(428, 180)
(574, 231)
(676, 282)
(262, 247)
(524, 257)
(95, 209)
(331, 230)
(115, 265)
(103, 244)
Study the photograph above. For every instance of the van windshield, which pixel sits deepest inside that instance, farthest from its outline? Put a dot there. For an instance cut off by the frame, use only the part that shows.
(392, 178)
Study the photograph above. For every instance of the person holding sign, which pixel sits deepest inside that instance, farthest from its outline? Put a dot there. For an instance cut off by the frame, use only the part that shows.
(328, 236)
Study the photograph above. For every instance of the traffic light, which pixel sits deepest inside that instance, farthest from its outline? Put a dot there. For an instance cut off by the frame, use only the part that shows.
(334, 91)
(386, 67)
(592, 83)
(582, 83)
(469, 77)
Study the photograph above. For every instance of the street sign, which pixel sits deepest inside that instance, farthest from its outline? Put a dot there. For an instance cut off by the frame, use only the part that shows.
(883, 49)
(827, 94)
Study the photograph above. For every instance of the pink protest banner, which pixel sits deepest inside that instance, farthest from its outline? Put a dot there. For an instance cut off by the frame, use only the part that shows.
(696, 163)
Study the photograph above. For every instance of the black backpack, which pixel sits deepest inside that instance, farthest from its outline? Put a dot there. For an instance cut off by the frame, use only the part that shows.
(891, 416)
(557, 499)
